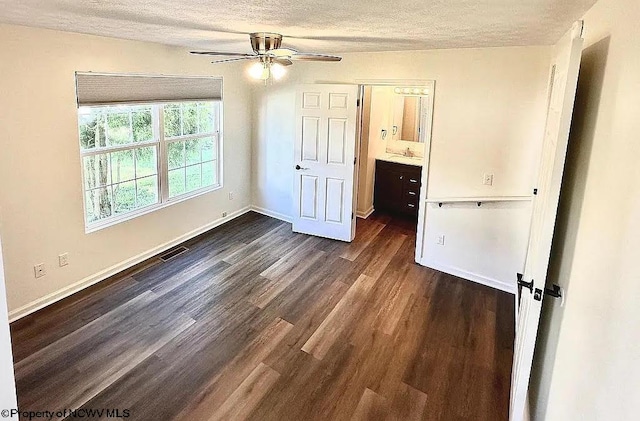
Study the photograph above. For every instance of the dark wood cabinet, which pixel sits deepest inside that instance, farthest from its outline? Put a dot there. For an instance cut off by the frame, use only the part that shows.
(397, 188)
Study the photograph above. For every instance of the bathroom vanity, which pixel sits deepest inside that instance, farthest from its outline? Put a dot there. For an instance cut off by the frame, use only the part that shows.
(397, 185)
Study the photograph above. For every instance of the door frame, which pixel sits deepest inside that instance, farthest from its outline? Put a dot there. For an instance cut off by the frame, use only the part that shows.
(8, 398)
(428, 139)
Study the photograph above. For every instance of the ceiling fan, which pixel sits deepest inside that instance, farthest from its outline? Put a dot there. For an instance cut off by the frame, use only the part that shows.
(267, 49)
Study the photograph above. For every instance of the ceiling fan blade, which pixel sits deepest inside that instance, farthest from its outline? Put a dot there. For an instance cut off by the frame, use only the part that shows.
(314, 57)
(282, 52)
(220, 53)
(227, 60)
(282, 61)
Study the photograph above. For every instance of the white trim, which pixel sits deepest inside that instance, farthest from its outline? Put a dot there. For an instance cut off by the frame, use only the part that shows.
(424, 185)
(117, 268)
(111, 221)
(365, 214)
(273, 214)
(473, 277)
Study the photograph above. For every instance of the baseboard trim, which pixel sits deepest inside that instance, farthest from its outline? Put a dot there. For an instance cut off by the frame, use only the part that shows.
(366, 214)
(473, 277)
(272, 214)
(117, 268)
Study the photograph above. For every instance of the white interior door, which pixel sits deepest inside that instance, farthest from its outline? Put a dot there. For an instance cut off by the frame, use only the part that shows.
(564, 78)
(325, 148)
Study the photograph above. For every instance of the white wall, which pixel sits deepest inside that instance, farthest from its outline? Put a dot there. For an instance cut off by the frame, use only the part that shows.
(41, 195)
(485, 244)
(7, 380)
(488, 117)
(587, 362)
(376, 118)
(365, 167)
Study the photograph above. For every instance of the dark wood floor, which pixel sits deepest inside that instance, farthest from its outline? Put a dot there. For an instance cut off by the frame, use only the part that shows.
(256, 322)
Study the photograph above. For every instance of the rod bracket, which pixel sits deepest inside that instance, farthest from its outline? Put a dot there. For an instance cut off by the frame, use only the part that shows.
(554, 291)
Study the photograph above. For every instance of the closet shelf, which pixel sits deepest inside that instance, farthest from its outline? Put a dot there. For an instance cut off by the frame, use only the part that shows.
(478, 200)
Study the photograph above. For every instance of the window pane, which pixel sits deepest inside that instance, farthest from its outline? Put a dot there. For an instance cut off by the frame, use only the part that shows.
(192, 151)
(209, 175)
(119, 129)
(147, 191)
(146, 162)
(189, 118)
(176, 154)
(176, 182)
(124, 197)
(193, 177)
(205, 117)
(98, 204)
(208, 151)
(122, 168)
(141, 121)
(172, 120)
(96, 171)
(91, 126)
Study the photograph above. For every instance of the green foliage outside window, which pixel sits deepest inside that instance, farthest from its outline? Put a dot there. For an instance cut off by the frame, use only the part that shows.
(122, 180)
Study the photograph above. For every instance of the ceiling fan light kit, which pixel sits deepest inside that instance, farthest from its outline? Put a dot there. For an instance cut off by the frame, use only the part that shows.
(272, 58)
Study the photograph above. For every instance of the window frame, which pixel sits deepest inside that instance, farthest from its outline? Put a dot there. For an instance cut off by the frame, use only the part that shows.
(162, 165)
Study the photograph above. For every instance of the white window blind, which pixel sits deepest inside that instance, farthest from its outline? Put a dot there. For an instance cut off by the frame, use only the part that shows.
(107, 89)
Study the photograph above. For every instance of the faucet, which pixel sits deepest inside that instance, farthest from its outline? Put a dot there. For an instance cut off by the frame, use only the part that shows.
(408, 152)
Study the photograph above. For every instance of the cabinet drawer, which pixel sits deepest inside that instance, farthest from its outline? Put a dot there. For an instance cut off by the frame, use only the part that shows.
(412, 193)
(412, 179)
(412, 207)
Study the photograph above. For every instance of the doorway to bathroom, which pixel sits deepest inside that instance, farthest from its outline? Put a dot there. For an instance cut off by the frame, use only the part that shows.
(393, 154)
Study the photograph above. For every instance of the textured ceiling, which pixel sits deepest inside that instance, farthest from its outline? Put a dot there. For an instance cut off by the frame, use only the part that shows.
(330, 26)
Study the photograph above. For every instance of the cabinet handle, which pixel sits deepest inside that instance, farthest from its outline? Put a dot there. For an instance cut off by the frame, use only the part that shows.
(412, 193)
(401, 177)
(411, 205)
(413, 181)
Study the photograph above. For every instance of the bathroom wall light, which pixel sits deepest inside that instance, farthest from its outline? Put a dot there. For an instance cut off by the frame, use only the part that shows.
(411, 90)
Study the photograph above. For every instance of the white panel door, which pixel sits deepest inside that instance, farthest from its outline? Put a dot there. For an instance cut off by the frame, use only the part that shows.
(324, 173)
(564, 78)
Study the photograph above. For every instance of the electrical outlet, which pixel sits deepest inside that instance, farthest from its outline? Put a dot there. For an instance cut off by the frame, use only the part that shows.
(224, 214)
(230, 195)
(63, 259)
(487, 179)
(440, 240)
(39, 270)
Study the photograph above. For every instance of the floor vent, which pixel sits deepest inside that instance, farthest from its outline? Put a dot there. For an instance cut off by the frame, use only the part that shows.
(170, 254)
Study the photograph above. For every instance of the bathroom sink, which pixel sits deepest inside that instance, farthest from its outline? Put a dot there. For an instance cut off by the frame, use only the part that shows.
(397, 155)
(401, 159)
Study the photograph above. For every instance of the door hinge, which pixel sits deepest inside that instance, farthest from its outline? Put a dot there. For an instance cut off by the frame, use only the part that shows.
(351, 215)
(535, 192)
(358, 102)
(354, 160)
(524, 284)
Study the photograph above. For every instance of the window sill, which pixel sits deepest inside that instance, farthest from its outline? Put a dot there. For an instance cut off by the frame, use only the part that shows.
(100, 225)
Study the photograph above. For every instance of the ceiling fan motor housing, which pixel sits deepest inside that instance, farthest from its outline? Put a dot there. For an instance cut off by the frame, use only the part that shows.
(261, 42)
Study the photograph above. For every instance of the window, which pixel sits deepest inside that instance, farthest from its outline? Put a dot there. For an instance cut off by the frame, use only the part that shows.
(140, 157)
(146, 141)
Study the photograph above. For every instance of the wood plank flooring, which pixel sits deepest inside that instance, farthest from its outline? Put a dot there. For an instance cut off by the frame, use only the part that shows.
(255, 322)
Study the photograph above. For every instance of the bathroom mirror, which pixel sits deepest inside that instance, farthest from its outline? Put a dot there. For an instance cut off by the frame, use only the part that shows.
(407, 118)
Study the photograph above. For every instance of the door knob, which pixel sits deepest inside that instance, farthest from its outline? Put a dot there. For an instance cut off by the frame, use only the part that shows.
(298, 167)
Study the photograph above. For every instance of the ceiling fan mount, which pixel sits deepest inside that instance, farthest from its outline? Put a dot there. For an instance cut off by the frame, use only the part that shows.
(267, 48)
(261, 42)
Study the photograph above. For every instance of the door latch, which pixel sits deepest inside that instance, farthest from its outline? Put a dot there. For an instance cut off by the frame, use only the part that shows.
(537, 295)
